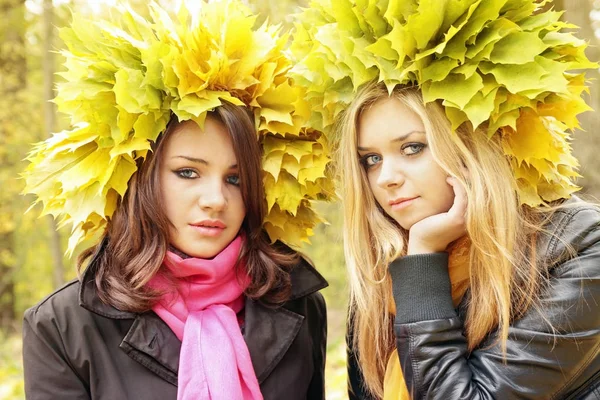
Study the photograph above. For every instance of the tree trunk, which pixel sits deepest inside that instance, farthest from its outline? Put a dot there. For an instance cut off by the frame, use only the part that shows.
(13, 69)
(49, 122)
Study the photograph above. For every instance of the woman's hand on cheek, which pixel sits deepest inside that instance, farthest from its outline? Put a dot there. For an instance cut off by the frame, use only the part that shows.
(433, 234)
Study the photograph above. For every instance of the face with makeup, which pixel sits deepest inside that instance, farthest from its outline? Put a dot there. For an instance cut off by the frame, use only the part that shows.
(200, 188)
(405, 179)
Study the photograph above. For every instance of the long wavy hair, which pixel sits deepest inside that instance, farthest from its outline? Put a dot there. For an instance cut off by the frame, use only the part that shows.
(505, 277)
(136, 239)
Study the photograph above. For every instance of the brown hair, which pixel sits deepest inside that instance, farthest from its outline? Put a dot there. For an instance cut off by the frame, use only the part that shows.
(136, 239)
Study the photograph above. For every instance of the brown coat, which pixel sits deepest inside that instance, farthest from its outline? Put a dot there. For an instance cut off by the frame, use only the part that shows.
(77, 347)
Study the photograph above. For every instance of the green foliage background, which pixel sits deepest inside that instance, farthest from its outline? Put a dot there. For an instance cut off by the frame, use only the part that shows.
(26, 258)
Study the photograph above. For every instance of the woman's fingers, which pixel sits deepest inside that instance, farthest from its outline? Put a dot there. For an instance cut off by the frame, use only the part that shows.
(434, 233)
(459, 208)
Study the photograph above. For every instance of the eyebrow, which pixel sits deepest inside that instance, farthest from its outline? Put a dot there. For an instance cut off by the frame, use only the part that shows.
(202, 161)
(396, 140)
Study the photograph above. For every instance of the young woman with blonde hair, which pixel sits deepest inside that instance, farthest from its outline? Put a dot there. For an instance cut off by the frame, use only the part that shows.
(474, 271)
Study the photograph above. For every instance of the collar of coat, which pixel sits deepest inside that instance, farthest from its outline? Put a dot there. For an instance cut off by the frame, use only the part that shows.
(268, 331)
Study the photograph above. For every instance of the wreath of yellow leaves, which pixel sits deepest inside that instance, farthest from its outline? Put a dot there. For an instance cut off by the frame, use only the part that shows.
(126, 74)
(500, 62)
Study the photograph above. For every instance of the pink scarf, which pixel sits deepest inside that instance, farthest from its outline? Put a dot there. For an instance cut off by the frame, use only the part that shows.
(214, 360)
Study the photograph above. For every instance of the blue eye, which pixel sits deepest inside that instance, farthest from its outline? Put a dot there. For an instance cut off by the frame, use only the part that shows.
(370, 160)
(410, 149)
(186, 173)
(233, 180)
(374, 159)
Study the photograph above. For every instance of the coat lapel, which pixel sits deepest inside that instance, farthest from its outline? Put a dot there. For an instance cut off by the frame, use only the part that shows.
(269, 332)
(153, 344)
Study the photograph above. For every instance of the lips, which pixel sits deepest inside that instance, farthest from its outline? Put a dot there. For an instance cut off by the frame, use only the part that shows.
(209, 227)
(402, 202)
(209, 223)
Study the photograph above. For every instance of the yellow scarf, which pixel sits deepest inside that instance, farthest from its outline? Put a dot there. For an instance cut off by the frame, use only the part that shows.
(394, 386)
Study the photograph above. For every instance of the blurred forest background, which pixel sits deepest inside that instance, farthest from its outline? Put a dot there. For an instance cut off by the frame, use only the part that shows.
(32, 263)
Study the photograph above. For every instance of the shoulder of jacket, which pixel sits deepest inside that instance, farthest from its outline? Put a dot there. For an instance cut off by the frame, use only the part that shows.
(579, 211)
(574, 228)
(317, 300)
(62, 299)
(577, 223)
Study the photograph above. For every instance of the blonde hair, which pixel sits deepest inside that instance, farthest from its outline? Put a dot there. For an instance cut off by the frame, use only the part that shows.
(504, 276)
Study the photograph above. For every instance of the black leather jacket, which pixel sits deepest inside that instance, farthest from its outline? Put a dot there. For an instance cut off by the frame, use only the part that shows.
(561, 361)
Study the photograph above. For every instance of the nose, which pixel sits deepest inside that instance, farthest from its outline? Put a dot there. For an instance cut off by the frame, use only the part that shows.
(213, 196)
(390, 175)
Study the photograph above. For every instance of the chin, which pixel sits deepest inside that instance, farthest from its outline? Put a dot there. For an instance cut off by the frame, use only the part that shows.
(200, 251)
(207, 254)
(198, 246)
(407, 223)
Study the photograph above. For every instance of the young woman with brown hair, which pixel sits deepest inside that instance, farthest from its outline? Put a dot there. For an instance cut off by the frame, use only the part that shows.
(184, 295)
